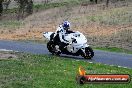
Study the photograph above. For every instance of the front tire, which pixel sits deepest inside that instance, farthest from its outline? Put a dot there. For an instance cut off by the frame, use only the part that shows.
(52, 49)
(88, 54)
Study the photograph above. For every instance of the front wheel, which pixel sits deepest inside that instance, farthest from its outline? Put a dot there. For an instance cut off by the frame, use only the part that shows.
(51, 47)
(87, 53)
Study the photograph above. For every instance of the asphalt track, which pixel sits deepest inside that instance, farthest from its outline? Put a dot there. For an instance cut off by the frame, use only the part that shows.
(110, 58)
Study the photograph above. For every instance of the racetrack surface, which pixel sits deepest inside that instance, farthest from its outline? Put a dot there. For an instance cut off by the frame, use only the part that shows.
(110, 58)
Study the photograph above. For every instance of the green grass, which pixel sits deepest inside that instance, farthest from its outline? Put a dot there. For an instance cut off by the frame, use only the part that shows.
(11, 24)
(68, 3)
(115, 16)
(13, 10)
(114, 49)
(49, 5)
(44, 6)
(15, 23)
(42, 71)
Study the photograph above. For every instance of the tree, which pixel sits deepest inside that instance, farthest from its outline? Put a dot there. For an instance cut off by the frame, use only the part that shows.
(107, 3)
(25, 7)
(6, 3)
(96, 1)
(91, 0)
(29, 8)
(1, 7)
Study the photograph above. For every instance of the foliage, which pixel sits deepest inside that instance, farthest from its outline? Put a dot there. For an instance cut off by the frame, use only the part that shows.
(42, 71)
(24, 6)
(1, 7)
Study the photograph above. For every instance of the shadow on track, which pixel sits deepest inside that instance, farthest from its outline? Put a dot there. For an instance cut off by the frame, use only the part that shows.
(72, 57)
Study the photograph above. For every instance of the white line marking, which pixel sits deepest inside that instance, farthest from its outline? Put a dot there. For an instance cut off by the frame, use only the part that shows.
(5, 50)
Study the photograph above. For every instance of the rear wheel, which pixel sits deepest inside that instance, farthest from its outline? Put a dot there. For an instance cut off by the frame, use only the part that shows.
(51, 47)
(87, 53)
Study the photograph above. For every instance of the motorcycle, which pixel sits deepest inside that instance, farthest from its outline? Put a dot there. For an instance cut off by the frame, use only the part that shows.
(77, 45)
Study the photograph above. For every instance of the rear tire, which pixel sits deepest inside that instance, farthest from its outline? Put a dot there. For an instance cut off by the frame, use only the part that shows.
(88, 53)
(52, 49)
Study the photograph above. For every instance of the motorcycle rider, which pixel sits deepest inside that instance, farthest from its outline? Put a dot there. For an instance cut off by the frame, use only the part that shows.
(60, 34)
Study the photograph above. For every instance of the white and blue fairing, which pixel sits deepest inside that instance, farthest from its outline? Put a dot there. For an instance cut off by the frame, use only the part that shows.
(47, 35)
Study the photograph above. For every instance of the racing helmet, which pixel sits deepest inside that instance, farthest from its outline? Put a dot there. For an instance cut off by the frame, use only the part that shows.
(66, 25)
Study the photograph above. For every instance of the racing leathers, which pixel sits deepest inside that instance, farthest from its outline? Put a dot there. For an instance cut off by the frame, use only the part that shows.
(60, 35)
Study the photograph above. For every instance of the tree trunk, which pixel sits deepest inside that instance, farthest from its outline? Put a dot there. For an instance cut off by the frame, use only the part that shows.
(96, 1)
(29, 8)
(91, 0)
(107, 3)
(1, 7)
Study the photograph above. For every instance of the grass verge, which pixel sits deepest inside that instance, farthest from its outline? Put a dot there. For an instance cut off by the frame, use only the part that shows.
(42, 71)
(114, 49)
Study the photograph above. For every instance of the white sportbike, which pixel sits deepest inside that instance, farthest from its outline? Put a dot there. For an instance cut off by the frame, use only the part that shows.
(77, 45)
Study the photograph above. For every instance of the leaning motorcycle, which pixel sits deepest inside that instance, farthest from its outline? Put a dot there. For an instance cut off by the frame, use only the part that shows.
(77, 45)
